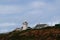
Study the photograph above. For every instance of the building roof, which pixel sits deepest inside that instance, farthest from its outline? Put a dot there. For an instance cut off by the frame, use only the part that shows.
(41, 25)
(38, 26)
(25, 22)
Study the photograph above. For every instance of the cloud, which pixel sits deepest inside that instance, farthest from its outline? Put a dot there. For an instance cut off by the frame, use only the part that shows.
(54, 20)
(7, 27)
(53, 23)
(4, 31)
(37, 4)
(33, 11)
(10, 9)
(39, 7)
(42, 8)
(7, 24)
(35, 7)
(9, 0)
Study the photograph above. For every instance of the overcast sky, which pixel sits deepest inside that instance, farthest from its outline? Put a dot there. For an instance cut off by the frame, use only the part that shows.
(14, 12)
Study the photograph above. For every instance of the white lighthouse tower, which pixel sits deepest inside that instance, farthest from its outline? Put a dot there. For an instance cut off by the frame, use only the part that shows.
(25, 25)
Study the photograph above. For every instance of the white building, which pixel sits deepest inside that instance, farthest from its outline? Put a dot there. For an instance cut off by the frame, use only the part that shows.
(25, 25)
(38, 26)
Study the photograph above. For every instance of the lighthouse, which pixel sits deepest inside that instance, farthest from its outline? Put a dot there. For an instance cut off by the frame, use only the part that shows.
(25, 25)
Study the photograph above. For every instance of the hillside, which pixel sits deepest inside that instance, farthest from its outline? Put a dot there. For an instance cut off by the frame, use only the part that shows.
(48, 33)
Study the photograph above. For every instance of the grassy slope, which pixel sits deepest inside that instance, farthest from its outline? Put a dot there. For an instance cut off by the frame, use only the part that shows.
(49, 33)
